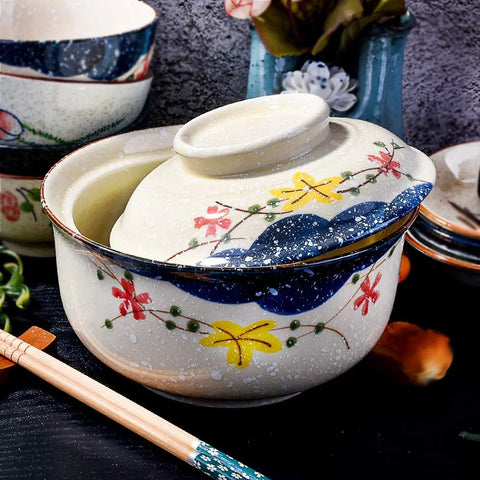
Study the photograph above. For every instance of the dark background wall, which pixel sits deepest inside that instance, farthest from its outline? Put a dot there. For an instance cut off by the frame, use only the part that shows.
(202, 57)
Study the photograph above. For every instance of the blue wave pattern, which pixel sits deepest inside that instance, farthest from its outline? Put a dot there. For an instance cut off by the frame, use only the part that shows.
(283, 289)
(304, 236)
(103, 59)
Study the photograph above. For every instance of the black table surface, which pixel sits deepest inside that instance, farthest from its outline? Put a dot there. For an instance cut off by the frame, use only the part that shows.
(361, 425)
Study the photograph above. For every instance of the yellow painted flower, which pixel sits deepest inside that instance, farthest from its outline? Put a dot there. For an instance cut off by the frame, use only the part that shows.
(306, 190)
(243, 341)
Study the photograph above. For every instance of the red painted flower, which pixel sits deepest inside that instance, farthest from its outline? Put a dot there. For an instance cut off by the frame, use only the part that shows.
(10, 126)
(214, 218)
(246, 8)
(369, 294)
(387, 164)
(9, 206)
(131, 300)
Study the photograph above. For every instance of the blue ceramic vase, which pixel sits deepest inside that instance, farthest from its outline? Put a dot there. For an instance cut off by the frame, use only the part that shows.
(380, 67)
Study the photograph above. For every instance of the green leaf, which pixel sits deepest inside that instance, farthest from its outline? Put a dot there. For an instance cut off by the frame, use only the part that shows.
(23, 298)
(226, 238)
(34, 194)
(390, 7)
(254, 208)
(344, 12)
(276, 33)
(193, 243)
(5, 322)
(26, 207)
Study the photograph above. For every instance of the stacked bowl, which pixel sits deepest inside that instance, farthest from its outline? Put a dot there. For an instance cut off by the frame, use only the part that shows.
(447, 229)
(67, 77)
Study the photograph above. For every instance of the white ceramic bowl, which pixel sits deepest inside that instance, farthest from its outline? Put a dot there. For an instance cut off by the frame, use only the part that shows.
(207, 335)
(24, 227)
(98, 40)
(35, 111)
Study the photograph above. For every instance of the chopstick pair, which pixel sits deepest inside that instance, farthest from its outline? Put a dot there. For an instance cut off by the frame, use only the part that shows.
(136, 418)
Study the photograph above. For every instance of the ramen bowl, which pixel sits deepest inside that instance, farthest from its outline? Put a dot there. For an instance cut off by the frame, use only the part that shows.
(37, 111)
(100, 40)
(230, 328)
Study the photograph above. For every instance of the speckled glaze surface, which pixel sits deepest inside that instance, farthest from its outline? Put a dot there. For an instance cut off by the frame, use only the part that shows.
(23, 224)
(271, 180)
(454, 204)
(36, 111)
(71, 40)
(212, 335)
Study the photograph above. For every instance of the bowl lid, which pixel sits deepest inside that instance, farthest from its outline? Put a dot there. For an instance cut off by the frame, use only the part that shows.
(271, 180)
(454, 203)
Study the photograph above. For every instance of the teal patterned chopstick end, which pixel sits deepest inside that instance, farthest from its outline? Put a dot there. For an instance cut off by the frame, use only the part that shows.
(220, 466)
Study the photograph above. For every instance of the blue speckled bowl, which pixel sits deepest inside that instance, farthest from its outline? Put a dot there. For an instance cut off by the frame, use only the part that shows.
(101, 40)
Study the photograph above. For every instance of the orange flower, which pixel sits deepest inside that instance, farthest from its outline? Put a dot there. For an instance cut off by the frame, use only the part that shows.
(421, 355)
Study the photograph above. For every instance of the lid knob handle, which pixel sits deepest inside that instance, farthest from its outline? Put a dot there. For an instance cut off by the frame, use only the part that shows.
(253, 134)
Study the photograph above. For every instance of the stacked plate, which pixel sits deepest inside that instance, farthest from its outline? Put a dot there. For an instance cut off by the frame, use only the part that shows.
(448, 226)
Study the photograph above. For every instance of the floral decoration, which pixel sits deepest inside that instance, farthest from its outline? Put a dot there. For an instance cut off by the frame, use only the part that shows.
(10, 126)
(326, 30)
(13, 129)
(223, 220)
(307, 189)
(334, 85)
(369, 294)
(131, 300)
(12, 209)
(241, 342)
(9, 206)
(214, 218)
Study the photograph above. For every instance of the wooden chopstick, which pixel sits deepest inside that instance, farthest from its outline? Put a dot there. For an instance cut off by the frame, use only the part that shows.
(136, 418)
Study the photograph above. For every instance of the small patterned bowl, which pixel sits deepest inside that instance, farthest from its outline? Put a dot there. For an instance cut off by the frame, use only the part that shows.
(24, 227)
(73, 40)
(36, 111)
(210, 335)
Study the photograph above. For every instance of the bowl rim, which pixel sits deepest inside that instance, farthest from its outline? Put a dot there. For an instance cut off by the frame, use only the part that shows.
(441, 221)
(65, 80)
(13, 176)
(439, 256)
(144, 263)
(150, 24)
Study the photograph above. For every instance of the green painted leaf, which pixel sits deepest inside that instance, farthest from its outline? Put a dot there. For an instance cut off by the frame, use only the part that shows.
(26, 207)
(34, 194)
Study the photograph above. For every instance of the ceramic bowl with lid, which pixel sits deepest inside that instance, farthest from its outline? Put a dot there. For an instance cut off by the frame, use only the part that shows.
(270, 247)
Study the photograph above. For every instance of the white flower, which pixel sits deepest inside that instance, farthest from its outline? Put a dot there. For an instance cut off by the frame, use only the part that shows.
(334, 85)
